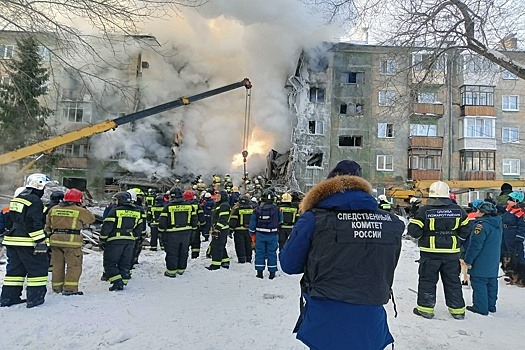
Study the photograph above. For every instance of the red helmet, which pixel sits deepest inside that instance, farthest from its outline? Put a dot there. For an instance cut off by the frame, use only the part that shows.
(73, 195)
(188, 195)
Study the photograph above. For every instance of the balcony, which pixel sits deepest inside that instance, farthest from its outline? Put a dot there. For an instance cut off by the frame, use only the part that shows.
(73, 163)
(429, 109)
(418, 174)
(477, 143)
(434, 142)
(75, 95)
(477, 175)
(478, 110)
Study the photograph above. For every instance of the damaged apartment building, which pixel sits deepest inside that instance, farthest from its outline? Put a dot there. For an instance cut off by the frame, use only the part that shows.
(403, 115)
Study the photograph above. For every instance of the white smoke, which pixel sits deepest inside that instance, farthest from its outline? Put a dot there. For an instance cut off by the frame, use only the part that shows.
(211, 46)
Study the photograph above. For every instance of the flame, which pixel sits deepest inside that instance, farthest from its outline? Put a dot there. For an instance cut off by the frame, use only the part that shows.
(259, 143)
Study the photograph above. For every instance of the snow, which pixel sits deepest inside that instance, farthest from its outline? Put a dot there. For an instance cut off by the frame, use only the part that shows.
(232, 309)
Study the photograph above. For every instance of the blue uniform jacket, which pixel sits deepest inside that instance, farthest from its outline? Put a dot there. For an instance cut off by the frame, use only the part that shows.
(332, 324)
(484, 250)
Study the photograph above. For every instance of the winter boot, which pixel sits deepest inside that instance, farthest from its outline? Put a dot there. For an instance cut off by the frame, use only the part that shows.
(171, 275)
(213, 267)
(34, 303)
(473, 309)
(272, 275)
(259, 274)
(458, 316)
(422, 314)
(225, 265)
(153, 249)
(10, 302)
(68, 292)
(194, 255)
(117, 285)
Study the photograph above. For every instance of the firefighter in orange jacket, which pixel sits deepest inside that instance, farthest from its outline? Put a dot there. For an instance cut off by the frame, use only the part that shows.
(63, 224)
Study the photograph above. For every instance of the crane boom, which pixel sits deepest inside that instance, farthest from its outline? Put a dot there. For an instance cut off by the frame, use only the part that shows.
(48, 145)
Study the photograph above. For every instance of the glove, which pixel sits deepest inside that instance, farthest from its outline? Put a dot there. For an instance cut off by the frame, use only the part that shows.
(40, 248)
(252, 237)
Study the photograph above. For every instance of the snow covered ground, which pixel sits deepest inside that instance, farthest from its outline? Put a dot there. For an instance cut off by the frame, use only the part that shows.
(232, 309)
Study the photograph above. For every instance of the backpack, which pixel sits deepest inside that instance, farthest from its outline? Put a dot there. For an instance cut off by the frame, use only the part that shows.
(268, 216)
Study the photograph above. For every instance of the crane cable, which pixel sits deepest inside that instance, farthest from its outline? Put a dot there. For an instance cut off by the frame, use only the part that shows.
(247, 112)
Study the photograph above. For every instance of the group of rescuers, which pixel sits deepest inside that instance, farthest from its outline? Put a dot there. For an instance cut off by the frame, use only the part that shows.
(343, 243)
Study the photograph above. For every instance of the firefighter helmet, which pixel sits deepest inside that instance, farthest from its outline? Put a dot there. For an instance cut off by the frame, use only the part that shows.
(286, 198)
(382, 197)
(244, 201)
(268, 196)
(176, 192)
(159, 200)
(37, 181)
(56, 196)
(122, 197)
(188, 195)
(73, 195)
(133, 194)
(414, 200)
(18, 191)
(439, 189)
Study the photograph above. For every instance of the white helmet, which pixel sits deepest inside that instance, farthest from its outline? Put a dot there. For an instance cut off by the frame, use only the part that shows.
(382, 197)
(414, 200)
(133, 194)
(254, 199)
(18, 191)
(439, 189)
(37, 181)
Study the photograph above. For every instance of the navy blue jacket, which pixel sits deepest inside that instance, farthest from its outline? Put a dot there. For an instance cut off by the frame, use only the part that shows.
(483, 252)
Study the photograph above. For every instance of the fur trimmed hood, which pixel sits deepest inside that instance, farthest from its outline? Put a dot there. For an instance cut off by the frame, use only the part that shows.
(335, 186)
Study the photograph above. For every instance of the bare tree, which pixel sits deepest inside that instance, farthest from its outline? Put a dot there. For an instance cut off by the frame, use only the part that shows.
(489, 28)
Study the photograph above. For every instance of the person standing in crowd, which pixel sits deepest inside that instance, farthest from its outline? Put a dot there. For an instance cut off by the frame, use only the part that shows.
(264, 224)
(344, 286)
(117, 238)
(26, 246)
(501, 200)
(54, 199)
(239, 223)
(472, 215)
(414, 206)
(207, 206)
(149, 199)
(177, 222)
(384, 203)
(195, 238)
(136, 199)
(153, 216)
(234, 196)
(440, 226)
(64, 223)
(513, 233)
(290, 216)
(482, 258)
(220, 232)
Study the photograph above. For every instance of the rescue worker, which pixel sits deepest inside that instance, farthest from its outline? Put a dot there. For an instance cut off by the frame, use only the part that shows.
(195, 238)
(440, 225)
(384, 204)
(220, 232)
(201, 186)
(347, 250)
(513, 229)
(501, 200)
(177, 222)
(228, 183)
(207, 208)
(64, 224)
(290, 216)
(4, 223)
(234, 196)
(54, 199)
(414, 206)
(264, 224)
(139, 240)
(240, 223)
(26, 246)
(153, 216)
(117, 236)
(216, 181)
(150, 197)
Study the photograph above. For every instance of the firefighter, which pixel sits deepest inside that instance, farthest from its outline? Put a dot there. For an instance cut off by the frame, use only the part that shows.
(228, 183)
(153, 216)
(384, 203)
(290, 216)
(220, 232)
(216, 181)
(63, 224)
(414, 206)
(177, 221)
(240, 223)
(439, 226)
(117, 237)
(264, 224)
(136, 200)
(54, 199)
(195, 238)
(201, 186)
(26, 246)
(234, 196)
(150, 198)
(207, 207)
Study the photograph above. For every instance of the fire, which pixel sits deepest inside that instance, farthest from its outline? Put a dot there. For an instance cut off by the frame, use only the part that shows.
(259, 143)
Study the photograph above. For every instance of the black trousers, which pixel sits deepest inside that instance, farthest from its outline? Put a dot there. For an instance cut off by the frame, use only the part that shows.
(430, 269)
(176, 246)
(195, 243)
(137, 249)
(22, 263)
(243, 245)
(284, 233)
(155, 237)
(219, 255)
(117, 260)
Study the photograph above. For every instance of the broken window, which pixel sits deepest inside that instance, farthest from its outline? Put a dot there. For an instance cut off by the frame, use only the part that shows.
(355, 108)
(316, 159)
(385, 130)
(351, 141)
(317, 95)
(342, 108)
(315, 127)
(352, 77)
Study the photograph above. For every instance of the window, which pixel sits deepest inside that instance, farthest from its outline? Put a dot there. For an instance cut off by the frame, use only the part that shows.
(387, 67)
(508, 75)
(476, 63)
(315, 127)
(423, 130)
(355, 108)
(343, 108)
(351, 141)
(511, 135)
(427, 61)
(45, 54)
(316, 159)
(425, 159)
(477, 161)
(511, 167)
(479, 127)
(387, 98)
(427, 97)
(6, 51)
(476, 95)
(510, 103)
(77, 112)
(316, 95)
(385, 163)
(74, 150)
(352, 77)
(117, 156)
(385, 130)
